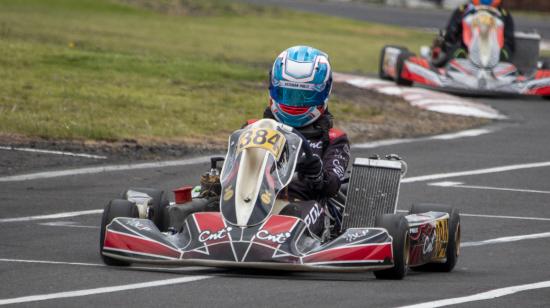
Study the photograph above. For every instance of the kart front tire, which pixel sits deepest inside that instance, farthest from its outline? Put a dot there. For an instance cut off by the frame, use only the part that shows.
(159, 206)
(453, 246)
(398, 228)
(115, 208)
(381, 72)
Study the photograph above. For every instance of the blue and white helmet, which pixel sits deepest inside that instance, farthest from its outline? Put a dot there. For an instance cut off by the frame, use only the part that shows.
(301, 81)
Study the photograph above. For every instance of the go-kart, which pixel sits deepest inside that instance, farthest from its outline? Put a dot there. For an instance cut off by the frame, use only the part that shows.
(233, 218)
(481, 72)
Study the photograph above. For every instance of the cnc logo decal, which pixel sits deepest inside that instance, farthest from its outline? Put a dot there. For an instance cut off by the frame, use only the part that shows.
(316, 145)
(278, 238)
(350, 237)
(208, 235)
(136, 223)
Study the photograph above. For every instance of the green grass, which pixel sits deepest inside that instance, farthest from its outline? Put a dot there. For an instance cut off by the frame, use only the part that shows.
(153, 70)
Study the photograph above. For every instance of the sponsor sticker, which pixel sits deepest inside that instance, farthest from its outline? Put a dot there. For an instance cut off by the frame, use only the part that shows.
(353, 236)
(266, 198)
(136, 223)
(316, 145)
(278, 238)
(228, 193)
(313, 215)
(428, 245)
(208, 235)
(442, 233)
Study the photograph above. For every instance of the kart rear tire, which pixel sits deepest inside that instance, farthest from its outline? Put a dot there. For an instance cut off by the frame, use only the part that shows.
(381, 74)
(400, 63)
(115, 208)
(398, 228)
(453, 247)
(545, 66)
(159, 206)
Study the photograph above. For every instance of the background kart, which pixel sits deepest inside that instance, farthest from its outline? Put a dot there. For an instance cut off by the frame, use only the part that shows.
(368, 234)
(482, 72)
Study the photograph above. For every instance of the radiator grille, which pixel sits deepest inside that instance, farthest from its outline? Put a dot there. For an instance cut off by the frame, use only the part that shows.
(373, 190)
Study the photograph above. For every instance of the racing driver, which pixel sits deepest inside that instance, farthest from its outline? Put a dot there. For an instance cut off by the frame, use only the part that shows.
(300, 85)
(452, 46)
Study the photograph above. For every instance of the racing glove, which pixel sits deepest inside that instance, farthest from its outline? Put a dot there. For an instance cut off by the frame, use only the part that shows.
(310, 170)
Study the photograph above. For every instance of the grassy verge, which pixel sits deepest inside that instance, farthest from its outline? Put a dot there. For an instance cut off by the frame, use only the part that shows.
(161, 70)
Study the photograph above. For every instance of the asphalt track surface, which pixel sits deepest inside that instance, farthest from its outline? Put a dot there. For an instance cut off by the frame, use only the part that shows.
(521, 139)
(406, 17)
(495, 205)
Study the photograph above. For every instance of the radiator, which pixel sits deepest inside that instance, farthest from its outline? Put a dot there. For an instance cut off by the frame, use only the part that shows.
(373, 190)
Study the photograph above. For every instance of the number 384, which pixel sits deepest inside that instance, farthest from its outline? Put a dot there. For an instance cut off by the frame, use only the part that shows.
(267, 139)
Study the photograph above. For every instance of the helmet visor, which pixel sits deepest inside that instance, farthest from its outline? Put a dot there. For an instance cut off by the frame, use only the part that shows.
(299, 94)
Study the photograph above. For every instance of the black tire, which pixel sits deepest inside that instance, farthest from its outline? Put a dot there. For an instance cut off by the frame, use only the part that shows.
(400, 63)
(381, 74)
(159, 206)
(545, 66)
(453, 247)
(115, 208)
(398, 227)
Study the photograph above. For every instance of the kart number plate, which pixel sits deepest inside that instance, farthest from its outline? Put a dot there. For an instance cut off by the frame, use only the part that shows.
(264, 138)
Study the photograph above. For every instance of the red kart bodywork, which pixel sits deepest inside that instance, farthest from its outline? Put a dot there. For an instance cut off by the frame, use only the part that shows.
(281, 242)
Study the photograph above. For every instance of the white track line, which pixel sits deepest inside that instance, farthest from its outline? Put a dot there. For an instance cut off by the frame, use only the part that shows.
(53, 152)
(438, 176)
(170, 269)
(86, 292)
(506, 217)
(67, 224)
(496, 216)
(451, 136)
(482, 296)
(465, 133)
(506, 239)
(92, 170)
(52, 216)
(49, 262)
(461, 185)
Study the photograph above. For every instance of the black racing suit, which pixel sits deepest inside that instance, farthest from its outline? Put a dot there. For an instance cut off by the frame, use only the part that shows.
(332, 146)
(454, 45)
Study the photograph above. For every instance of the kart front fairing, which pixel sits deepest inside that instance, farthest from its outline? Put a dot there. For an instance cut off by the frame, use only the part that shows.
(281, 242)
(260, 162)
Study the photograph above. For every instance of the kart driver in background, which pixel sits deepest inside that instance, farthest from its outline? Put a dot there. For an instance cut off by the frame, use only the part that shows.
(300, 85)
(451, 45)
